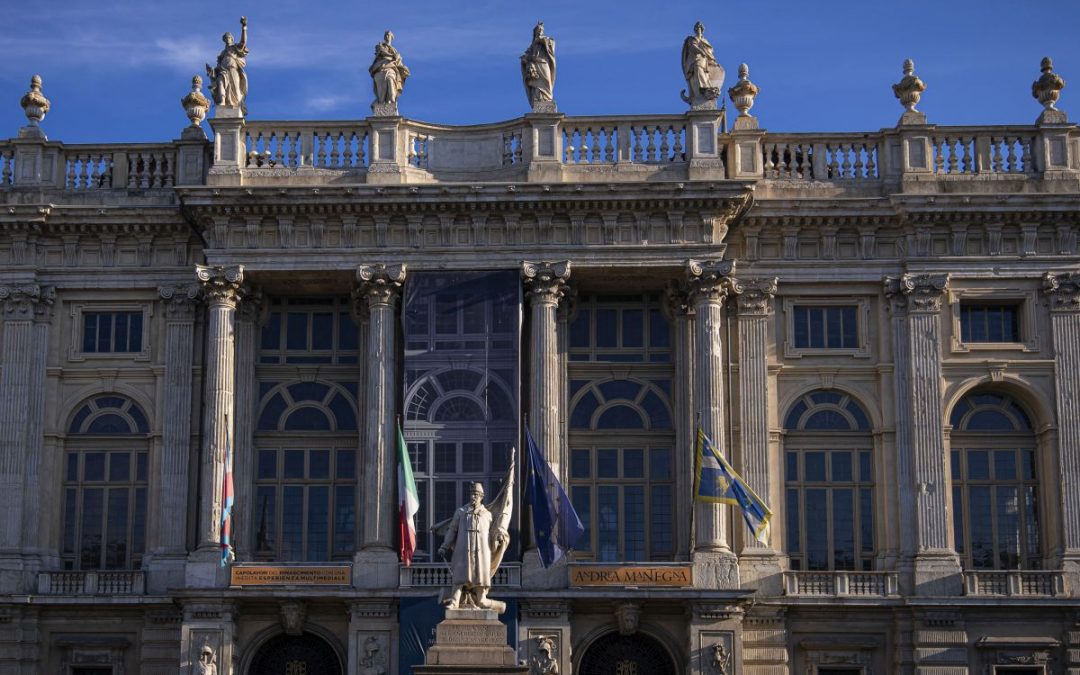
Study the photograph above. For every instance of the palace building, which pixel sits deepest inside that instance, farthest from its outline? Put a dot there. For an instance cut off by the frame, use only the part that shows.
(880, 330)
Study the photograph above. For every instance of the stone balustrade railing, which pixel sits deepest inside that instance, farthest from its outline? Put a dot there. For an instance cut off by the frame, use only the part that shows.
(424, 575)
(93, 167)
(321, 145)
(609, 140)
(92, 582)
(841, 583)
(1037, 583)
(984, 150)
(822, 157)
(7, 165)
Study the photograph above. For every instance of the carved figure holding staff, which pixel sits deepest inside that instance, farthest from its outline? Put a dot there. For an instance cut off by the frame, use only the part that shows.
(228, 79)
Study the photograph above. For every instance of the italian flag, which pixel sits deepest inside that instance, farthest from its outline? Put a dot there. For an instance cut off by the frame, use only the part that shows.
(408, 501)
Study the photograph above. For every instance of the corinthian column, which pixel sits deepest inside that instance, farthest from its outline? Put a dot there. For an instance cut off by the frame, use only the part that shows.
(1064, 293)
(915, 300)
(377, 561)
(546, 283)
(710, 283)
(677, 309)
(223, 290)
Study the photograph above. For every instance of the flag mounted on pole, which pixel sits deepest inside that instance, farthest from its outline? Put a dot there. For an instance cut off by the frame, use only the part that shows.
(556, 524)
(408, 500)
(227, 498)
(715, 481)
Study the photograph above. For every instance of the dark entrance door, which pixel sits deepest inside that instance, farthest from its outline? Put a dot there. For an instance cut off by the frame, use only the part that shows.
(304, 654)
(616, 654)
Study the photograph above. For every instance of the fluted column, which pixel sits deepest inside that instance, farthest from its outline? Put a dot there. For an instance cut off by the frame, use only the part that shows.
(546, 284)
(381, 287)
(677, 309)
(1064, 293)
(710, 283)
(249, 315)
(169, 534)
(915, 300)
(223, 290)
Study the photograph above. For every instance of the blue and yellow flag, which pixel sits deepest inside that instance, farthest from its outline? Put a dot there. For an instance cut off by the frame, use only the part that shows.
(715, 481)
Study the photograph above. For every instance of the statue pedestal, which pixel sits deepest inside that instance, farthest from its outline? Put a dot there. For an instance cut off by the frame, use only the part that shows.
(470, 641)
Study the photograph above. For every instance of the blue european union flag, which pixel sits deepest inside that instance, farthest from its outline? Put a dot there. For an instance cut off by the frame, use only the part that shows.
(556, 524)
(717, 482)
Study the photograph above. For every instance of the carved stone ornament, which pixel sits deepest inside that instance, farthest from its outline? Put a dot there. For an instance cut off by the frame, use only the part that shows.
(743, 94)
(179, 300)
(1047, 90)
(546, 659)
(380, 283)
(710, 280)
(388, 73)
(628, 617)
(221, 285)
(293, 615)
(373, 662)
(704, 76)
(27, 302)
(195, 104)
(721, 658)
(755, 296)
(206, 663)
(228, 78)
(538, 71)
(909, 90)
(546, 281)
(917, 293)
(1064, 291)
(34, 103)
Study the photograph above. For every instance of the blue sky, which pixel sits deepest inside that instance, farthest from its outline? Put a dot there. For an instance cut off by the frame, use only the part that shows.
(115, 70)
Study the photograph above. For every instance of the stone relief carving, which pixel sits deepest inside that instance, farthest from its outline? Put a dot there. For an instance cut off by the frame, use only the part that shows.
(374, 660)
(546, 659)
(917, 293)
(538, 71)
(206, 664)
(1064, 291)
(388, 74)
(228, 79)
(755, 296)
(628, 617)
(704, 76)
(721, 658)
(293, 615)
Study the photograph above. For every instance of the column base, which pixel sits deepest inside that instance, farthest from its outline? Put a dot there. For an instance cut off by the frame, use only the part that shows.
(16, 576)
(1070, 568)
(375, 568)
(762, 569)
(716, 570)
(203, 569)
(933, 573)
(165, 571)
(535, 575)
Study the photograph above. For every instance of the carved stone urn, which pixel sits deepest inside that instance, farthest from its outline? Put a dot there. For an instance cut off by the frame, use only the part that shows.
(195, 104)
(744, 92)
(1047, 90)
(909, 90)
(34, 103)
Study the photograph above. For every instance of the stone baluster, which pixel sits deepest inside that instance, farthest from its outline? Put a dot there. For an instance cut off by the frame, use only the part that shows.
(249, 316)
(915, 300)
(1064, 293)
(223, 291)
(710, 283)
(168, 537)
(377, 560)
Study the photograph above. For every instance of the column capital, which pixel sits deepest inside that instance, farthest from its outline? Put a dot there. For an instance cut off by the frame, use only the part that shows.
(252, 307)
(755, 296)
(676, 301)
(179, 300)
(546, 281)
(916, 293)
(710, 280)
(27, 301)
(381, 284)
(221, 285)
(1064, 291)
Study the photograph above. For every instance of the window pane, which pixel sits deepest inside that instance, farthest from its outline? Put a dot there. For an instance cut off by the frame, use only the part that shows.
(579, 330)
(841, 466)
(117, 530)
(270, 338)
(318, 523)
(843, 522)
(319, 461)
(445, 458)
(606, 328)
(632, 326)
(92, 513)
(138, 525)
(1004, 465)
(865, 467)
(472, 457)
(267, 464)
(792, 524)
(292, 523)
(446, 500)
(850, 327)
(345, 518)
(104, 343)
(70, 508)
(90, 322)
(661, 529)
(1008, 527)
(294, 464)
(296, 331)
(833, 328)
(348, 336)
(140, 466)
(73, 466)
(801, 317)
(322, 331)
(814, 466)
(817, 546)
(119, 466)
(982, 535)
(954, 464)
(265, 517)
(634, 522)
(607, 464)
(608, 512)
(659, 463)
(791, 467)
(580, 496)
(633, 463)
(817, 327)
(121, 342)
(579, 464)
(659, 330)
(345, 466)
(866, 521)
(959, 536)
(978, 465)
(1031, 521)
(94, 466)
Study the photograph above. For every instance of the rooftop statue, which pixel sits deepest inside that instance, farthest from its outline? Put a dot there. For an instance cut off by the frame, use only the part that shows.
(704, 76)
(538, 71)
(228, 80)
(388, 74)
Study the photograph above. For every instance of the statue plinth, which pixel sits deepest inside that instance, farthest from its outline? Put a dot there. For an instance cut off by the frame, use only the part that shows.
(384, 109)
(470, 641)
(228, 112)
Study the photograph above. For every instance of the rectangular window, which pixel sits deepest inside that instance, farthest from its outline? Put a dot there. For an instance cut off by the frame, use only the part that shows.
(985, 322)
(309, 331)
(104, 510)
(112, 332)
(826, 326)
(620, 329)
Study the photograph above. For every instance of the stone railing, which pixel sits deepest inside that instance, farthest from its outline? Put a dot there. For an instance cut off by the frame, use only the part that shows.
(483, 148)
(819, 157)
(93, 582)
(1036, 583)
(983, 150)
(7, 165)
(423, 575)
(611, 140)
(319, 145)
(841, 583)
(134, 167)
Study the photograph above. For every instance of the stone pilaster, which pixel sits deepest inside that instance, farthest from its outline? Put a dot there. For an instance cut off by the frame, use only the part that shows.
(710, 283)
(916, 300)
(758, 562)
(27, 311)
(546, 284)
(373, 636)
(764, 641)
(208, 623)
(940, 643)
(376, 561)
(168, 544)
(677, 309)
(223, 290)
(1063, 291)
(159, 651)
(544, 627)
(249, 316)
(716, 638)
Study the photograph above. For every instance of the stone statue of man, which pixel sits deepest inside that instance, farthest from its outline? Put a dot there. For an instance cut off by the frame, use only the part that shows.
(704, 76)
(472, 540)
(388, 73)
(205, 664)
(538, 71)
(228, 80)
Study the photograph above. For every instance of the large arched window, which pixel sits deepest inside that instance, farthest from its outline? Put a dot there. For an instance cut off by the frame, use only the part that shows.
(105, 485)
(828, 483)
(994, 483)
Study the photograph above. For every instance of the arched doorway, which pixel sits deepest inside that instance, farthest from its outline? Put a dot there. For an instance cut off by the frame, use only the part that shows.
(304, 654)
(616, 654)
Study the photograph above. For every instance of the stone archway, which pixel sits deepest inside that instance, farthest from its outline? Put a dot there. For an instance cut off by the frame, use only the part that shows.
(617, 654)
(304, 654)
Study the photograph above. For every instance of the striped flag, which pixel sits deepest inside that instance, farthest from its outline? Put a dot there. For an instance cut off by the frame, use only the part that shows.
(227, 499)
(408, 501)
(716, 482)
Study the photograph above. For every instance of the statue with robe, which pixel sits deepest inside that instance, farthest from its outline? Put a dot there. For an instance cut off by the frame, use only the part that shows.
(388, 73)
(704, 76)
(538, 71)
(228, 80)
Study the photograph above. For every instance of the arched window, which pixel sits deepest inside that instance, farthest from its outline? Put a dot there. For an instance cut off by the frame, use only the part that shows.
(305, 473)
(828, 483)
(105, 485)
(994, 483)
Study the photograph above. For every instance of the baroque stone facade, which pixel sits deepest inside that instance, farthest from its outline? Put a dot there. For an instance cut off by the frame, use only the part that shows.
(880, 330)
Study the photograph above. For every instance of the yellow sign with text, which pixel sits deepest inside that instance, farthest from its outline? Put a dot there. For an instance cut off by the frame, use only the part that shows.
(292, 576)
(632, 575)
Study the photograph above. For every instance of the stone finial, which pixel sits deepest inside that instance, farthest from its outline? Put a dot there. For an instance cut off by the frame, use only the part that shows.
(35, 106)
(909, 90)
(742, 95)
(1046, 90)
(196, 105)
